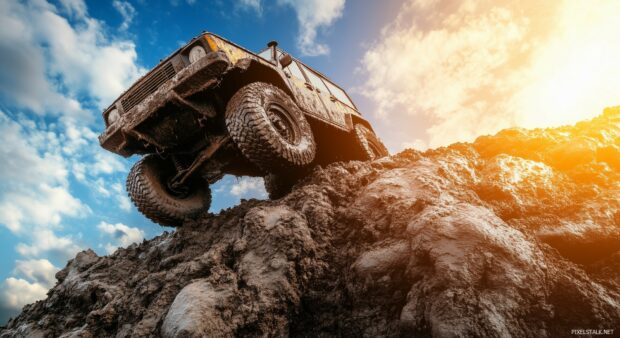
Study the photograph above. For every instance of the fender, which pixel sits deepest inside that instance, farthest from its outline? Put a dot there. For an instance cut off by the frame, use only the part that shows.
(248, 70)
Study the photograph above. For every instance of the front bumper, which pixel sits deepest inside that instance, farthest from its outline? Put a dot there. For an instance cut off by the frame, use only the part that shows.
(123, 138)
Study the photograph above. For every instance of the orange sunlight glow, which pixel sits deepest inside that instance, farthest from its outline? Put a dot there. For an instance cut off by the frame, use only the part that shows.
(577, 73)
(445, 71)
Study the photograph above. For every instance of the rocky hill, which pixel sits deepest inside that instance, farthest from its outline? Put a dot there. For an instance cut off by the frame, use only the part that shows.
(515, 235)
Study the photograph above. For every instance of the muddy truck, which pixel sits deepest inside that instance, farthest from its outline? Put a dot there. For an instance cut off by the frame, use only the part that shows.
(214, 108)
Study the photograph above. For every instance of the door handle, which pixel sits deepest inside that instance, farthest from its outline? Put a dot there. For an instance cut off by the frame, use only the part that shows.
(309, 86)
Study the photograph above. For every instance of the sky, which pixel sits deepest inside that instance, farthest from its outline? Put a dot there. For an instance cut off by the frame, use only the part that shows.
(426, 73)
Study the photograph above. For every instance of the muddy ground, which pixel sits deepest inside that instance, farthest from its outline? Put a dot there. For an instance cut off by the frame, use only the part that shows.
(515, 235)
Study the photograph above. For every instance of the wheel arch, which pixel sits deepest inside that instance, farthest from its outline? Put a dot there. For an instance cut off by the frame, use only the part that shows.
(356, 119)
(247, 71)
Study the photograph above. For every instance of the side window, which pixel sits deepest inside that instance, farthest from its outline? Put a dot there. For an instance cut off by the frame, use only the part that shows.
(339, 94)
(316, 80)
(266, 54)
(293, 69)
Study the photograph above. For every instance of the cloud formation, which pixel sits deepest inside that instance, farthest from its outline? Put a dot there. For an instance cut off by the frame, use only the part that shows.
(474, 67)
(122, 234)
(254, 5)
(127, 11)
(34, 278)
(33, 178)
(52, 62)
(248, 187)
(58, 67)
(45, 241)
(313, 16)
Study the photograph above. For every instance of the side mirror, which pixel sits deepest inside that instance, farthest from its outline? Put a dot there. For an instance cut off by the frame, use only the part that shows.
(285, 60)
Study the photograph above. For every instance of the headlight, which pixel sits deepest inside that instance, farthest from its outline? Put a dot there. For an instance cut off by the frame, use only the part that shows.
(113, 116)
(196, 53)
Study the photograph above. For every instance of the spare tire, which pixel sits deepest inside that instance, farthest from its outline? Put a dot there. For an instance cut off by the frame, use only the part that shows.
(148, 189)
(269, 128)
(369, 144)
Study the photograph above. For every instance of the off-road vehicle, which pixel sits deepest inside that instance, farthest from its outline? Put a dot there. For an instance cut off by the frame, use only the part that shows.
(214, 108)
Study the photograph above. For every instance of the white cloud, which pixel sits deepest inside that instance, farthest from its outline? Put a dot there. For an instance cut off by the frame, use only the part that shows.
(434, 69)
(254, 5)
(23, 73)
(101, 187)
(46, 242)
(33, 178)
(107, 163)
(44, 206)
(314, 15)
(124, 203)
(76, 137)
(38, 270)
(36, 43)
(22, 160)
(248, 187)
(17, 292)
(121, 196)
(475, 67)
(76, 8)
(35, 278)
(123, 235)
(127, 11)
(47, 62)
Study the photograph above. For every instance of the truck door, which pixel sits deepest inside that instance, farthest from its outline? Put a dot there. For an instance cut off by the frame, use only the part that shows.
(335, 112)
(339, 100)
(307, 98)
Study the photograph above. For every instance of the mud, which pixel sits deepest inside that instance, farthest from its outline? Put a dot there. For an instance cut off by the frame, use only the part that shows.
(514, 235)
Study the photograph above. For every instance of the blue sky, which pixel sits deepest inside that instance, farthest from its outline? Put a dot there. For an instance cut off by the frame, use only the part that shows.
(60, 192)
(426, 73)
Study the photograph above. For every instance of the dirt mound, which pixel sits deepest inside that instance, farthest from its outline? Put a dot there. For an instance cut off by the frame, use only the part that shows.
(517, 234)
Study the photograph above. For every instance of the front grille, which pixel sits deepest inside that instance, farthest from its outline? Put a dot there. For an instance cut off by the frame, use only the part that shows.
(147, 86)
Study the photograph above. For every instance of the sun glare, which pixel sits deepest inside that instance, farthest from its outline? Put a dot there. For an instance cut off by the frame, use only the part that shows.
(577, 73)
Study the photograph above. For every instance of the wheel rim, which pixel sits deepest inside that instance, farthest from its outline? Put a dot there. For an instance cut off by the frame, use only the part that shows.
(149, 190)
(283, 123)
(180, 192)
(165, 177)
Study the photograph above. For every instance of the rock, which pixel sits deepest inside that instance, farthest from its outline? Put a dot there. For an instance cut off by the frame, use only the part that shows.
(194, 312)
(514, 235)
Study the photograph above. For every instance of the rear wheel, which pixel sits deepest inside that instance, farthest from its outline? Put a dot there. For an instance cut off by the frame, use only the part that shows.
(147, 185)
(371, 147)
(269, 128)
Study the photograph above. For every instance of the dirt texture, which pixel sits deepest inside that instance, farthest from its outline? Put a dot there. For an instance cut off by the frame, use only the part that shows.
(514, 235)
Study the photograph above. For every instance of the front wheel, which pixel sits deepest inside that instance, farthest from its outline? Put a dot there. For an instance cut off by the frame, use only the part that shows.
(269, 128)
(147, 185)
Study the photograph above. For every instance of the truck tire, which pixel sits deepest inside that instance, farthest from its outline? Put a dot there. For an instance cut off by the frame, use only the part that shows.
(278, 186)
(371, 147)
(147, 188)
(269, 128)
